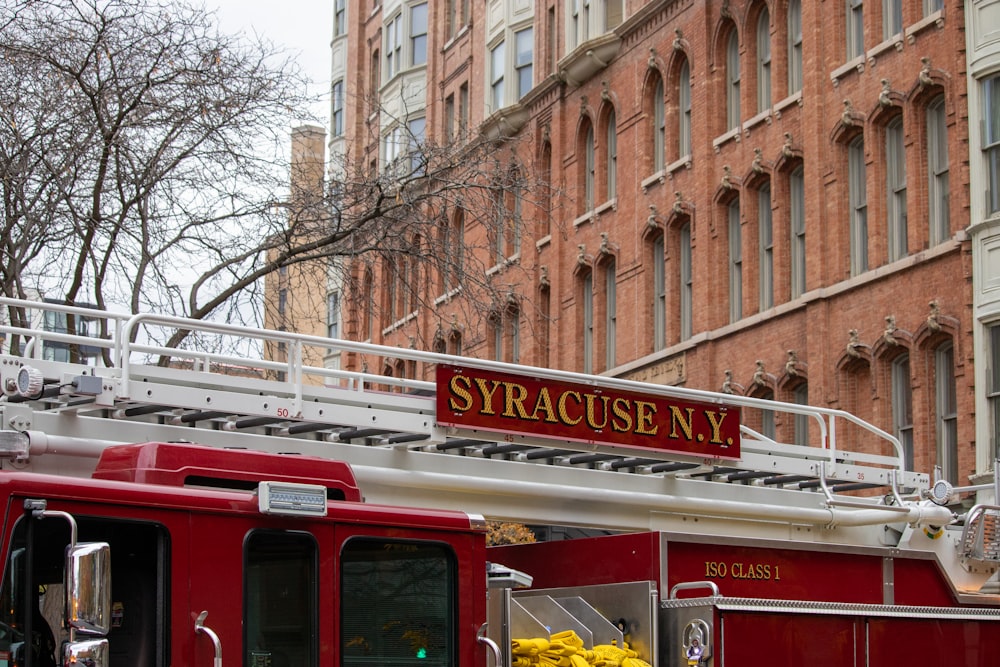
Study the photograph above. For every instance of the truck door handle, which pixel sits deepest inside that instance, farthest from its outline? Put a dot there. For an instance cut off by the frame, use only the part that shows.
(199, 626)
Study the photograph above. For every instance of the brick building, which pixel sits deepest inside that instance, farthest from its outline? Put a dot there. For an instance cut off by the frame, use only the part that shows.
(763, 197)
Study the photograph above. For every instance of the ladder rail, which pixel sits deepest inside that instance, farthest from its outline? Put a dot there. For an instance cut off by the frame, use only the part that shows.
(130, 355)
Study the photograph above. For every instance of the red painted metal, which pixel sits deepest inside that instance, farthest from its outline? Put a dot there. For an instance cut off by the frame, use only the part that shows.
(576, 412)
(175, 464)
(778, 574)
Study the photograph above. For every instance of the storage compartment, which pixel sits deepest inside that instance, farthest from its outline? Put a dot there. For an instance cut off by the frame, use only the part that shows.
(620, 615)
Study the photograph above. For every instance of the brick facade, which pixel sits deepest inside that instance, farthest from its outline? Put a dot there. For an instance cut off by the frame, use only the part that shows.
(865, 305)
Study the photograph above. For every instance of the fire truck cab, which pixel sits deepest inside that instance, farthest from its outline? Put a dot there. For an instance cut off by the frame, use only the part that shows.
(164, 506)
(205, 564)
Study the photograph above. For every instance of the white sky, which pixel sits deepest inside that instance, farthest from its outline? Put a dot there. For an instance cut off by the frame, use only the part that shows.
(301, 27)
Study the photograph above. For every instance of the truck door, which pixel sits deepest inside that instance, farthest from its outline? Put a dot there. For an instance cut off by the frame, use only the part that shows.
(139, 564)
(258, 579)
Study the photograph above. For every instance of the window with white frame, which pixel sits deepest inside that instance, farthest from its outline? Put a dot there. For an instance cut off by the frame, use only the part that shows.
(938, 193)
(417, 128)
(766, 234)
(333, 314)
(735, 230)
(895, 173)
(797, 228)
(591, 18)
(931, 6)
(794, 46)
(991, 142)
(337, 108)
(855, 29)
(457, 16)
(393, 46)
(409, 26)
(902, 406)
(686, 283)
(993, 388)
(858, 205)
(892, 18)
(732, 80)
(516, 65)
(406, 141)
(498, 68)
(339, 17)
(418, 34)
(684, 110)
(946, 411)
(524, 58)
(763, 61)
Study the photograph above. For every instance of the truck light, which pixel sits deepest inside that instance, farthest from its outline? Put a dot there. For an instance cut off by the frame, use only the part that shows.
(293, 499)
(942, 492)
(29, 382)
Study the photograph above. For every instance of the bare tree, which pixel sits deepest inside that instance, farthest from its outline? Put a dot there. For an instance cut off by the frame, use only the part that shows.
(142, 158)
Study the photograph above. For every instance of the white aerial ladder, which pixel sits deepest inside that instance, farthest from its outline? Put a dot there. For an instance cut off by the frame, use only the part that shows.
(58, 415)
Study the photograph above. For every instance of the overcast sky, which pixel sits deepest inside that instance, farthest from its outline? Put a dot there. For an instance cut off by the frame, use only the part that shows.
(302, 27)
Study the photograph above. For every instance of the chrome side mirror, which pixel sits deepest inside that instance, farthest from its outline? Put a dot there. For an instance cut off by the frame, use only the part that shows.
(88, 588)
(90, 652)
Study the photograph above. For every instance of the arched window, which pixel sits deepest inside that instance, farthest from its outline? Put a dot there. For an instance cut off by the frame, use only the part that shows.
(857, 195)
(895, 173)
(589, 166)
(732, 80)
(794, 46)
(610, 314)
(659, 127)
(902, 405)
(763, 61)
(735, 230)
(612, 157)
(659, 293)
(765, 229)
(946, 411)
(684, 110)
(686, 300)
(937, 172)
(587, 298)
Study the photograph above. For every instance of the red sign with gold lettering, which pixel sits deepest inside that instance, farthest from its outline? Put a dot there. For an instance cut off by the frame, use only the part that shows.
(568, 411)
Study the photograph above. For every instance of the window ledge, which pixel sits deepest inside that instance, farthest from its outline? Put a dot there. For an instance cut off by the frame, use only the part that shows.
(894, 43)
(500, 266)
(683, 163)
(793, 99)
(854, 65)
(731, 135)
(593, 214)
(659, 177)
(764, 116)
(399, 323)
(454, 40)
(610, 205)
(936, 19)
(589, 216)
(544, 241)
(448, 296)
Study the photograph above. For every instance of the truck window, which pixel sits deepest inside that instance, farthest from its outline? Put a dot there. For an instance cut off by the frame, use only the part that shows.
(397, 604)
(139, 553)
(281, 618)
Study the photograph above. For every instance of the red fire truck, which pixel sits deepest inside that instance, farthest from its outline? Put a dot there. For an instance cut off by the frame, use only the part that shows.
(166, 506)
